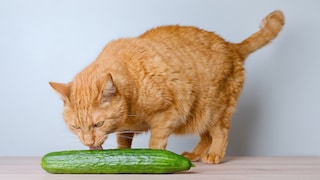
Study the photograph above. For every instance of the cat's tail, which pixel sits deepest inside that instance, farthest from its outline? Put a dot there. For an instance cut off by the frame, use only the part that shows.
(270, 26)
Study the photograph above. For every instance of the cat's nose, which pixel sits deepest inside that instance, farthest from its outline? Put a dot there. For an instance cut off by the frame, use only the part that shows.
(88, 140)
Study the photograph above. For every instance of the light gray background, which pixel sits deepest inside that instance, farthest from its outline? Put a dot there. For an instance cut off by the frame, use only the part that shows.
(52, 40)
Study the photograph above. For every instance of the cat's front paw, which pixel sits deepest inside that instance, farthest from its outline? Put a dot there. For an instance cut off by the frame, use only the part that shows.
(211, 158)
(191, 156)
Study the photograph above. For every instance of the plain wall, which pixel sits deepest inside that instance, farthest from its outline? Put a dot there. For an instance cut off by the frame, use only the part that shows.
(52, 40)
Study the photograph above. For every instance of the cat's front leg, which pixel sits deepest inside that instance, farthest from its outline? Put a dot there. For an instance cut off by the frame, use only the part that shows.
(218, 145)
(162, 125)
(159, 138)
(124, 139)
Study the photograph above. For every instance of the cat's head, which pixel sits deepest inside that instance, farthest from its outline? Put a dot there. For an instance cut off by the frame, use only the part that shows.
(92, 110)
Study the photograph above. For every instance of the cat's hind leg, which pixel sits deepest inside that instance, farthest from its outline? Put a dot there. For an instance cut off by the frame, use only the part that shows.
(217, 150)
(200, 149)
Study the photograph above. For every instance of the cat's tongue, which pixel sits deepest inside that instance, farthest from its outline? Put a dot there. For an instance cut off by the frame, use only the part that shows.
(96, 147)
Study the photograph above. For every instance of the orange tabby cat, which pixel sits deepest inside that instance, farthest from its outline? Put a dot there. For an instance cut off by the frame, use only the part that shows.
(169, 80)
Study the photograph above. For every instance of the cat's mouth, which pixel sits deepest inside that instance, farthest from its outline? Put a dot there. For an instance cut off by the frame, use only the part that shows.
(96, 147)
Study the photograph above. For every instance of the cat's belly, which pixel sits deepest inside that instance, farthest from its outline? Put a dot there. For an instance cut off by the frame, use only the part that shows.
(191, 127)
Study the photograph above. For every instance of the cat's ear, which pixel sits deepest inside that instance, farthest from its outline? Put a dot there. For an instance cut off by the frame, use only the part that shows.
(107, 91)
(62, 89)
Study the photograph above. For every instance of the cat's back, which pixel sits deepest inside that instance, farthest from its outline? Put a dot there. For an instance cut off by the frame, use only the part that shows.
(184, 57)
(184, 47)
(174, 42)
(189, 50)
(183, 52)
(194, 52)
(176, 33)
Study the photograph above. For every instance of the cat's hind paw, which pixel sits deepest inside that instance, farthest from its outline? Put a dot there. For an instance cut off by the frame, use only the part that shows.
(212, 158)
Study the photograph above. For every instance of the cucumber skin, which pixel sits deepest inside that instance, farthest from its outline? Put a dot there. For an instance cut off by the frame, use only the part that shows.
(115, 161)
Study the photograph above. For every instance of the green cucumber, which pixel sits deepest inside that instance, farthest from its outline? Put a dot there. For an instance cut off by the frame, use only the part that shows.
(114, 161)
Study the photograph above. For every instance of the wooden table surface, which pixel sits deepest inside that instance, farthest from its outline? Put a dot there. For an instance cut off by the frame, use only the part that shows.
(300, 168)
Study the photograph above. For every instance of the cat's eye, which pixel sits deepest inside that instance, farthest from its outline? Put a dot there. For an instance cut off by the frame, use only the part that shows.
(99, 124)
(76, 127)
